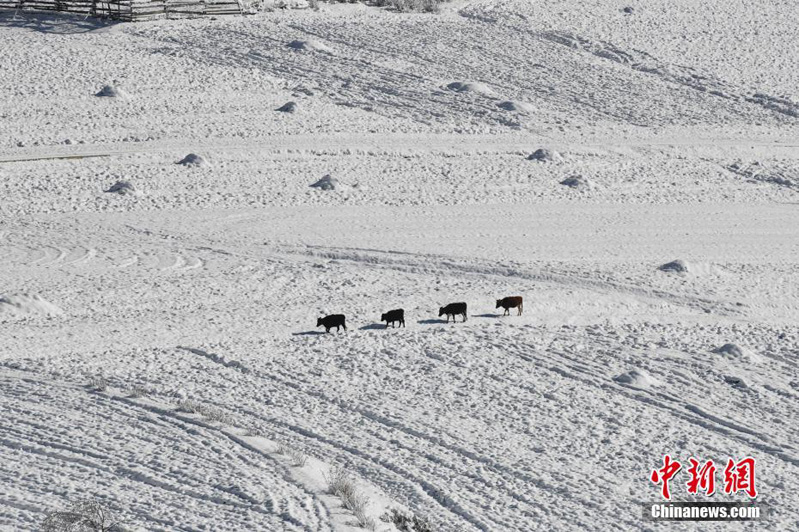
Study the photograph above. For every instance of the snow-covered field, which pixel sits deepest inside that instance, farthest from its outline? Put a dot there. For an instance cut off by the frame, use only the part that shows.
(158, 348)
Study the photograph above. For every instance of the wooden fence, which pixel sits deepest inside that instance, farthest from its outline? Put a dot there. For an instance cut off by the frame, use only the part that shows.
(129, 10)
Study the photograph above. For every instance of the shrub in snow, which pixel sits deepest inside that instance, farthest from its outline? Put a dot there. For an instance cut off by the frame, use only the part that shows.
(83, 516)
(340, 483)
(679, 266)
(298, 458)
(138, 391)
(215, 415)
(209, 413)
(188, 406)
(406, 521)
(256, 432)
(98, 384)
(365, 521)
(354, 501)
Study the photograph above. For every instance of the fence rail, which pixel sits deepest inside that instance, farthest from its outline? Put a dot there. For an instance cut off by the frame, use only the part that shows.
(129, 10)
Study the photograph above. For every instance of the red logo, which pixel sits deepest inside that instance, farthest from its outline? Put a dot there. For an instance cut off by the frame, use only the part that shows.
(665, 474)
(702, 478)
(738, 476)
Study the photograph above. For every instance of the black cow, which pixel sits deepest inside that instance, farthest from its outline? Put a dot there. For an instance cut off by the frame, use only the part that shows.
(394, 315)
(334, 320)
(511, 302)
(453, 309)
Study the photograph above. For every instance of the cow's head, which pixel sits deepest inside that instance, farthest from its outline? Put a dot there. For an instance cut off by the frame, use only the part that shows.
(319, 322)
(499, 303)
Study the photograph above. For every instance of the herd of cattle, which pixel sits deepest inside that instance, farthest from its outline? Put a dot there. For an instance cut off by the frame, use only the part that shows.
(398, 315)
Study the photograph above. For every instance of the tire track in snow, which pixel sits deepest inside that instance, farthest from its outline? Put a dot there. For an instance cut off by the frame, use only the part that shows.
(435, 493)
(18, 439)
(424, 263)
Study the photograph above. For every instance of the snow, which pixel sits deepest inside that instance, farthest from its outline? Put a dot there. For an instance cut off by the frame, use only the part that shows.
(204, 290)
(20, 305)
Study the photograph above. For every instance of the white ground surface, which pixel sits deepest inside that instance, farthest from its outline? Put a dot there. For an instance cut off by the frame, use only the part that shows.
(206, 284)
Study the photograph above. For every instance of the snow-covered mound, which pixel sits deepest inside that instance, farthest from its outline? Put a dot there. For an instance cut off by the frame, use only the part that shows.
(679, 266)
(123, 188)
(735, 381)
(311, 45)
(288, 107)
(545, 155)
(193, 159)
(113, 91)
(734, 352)
(471, 87)
(327, 183)
(518, 107)
(578, 182)
(19, 305)
(638, 378)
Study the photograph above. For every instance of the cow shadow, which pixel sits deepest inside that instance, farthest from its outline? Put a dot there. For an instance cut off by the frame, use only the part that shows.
(431, 321)
(372, 326)
(308, 333)
(486, 315)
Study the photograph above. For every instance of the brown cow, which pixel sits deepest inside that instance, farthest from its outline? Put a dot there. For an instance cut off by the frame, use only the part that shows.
(511, 302)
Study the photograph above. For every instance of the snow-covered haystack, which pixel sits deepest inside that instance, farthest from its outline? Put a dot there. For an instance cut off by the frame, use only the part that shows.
(471, 87)
(517, 107)
(735, 381)
(288, 107)
(545, 155)
(193, 159)
(123, 188)
(578, 182)
(735, 353)
(310, 45)
(113, 91)
(638, 378)
(328, 182)
(20, 305)
(679, 266)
